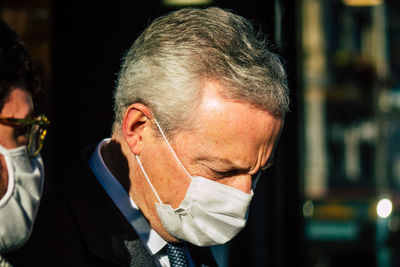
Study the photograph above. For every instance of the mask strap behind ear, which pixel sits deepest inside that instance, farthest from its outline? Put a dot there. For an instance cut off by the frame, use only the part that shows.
(148, 180)
(170, 147)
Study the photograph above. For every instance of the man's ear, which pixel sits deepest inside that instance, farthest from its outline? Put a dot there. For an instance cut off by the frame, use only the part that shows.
(136, 119)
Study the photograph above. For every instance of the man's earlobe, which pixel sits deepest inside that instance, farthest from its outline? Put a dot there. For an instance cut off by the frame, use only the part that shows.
(135, 119)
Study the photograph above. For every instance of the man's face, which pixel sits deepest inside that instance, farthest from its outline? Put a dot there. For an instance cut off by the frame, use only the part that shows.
(229, 144)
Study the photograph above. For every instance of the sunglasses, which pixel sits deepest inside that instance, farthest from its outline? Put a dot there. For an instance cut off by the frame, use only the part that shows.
(34, 129)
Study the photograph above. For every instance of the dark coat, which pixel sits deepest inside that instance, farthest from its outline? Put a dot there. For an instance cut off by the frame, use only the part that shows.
(79, 225)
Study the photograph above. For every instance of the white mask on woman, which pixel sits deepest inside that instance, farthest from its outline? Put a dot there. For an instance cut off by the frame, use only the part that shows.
(211, 213)
(19, 205)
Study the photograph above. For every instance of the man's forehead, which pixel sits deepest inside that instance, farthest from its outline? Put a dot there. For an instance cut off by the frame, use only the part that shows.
(229, 133)
(215, 95)
(216, 109)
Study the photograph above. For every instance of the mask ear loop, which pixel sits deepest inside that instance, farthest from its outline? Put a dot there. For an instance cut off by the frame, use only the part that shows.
(170, 147)
(173, 153)
(148, 180)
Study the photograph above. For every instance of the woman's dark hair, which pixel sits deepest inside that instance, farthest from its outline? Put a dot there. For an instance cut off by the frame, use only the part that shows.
(16, 67)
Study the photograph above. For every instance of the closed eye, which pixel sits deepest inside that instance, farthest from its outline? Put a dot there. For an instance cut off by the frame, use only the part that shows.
(224, 174)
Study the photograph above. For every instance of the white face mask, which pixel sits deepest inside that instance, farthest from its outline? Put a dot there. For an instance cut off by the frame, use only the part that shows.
(19, 205)
(211, 213)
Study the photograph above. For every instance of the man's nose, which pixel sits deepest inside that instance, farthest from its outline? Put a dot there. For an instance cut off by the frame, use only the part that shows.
(241, 182)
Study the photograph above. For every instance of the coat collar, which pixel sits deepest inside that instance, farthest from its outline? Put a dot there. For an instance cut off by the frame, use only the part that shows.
(107, 233)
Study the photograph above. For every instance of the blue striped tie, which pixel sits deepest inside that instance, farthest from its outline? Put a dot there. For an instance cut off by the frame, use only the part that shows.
(177, 254)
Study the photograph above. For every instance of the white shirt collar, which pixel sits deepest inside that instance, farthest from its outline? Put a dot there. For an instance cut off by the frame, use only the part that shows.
(152, 240)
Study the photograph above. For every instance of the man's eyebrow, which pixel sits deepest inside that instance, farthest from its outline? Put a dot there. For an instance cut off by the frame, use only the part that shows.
(229, 165)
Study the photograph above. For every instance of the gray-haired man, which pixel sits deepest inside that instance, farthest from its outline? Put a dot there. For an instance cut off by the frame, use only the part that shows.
(199, 107)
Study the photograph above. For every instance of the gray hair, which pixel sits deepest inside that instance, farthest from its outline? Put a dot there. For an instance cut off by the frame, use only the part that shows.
(168, 63)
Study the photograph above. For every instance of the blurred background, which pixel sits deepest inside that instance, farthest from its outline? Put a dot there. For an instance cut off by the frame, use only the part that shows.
(332, 197)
